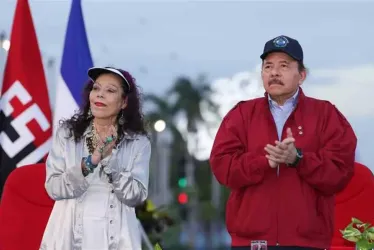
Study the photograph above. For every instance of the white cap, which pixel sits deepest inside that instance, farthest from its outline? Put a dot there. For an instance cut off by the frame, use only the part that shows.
(94, 73)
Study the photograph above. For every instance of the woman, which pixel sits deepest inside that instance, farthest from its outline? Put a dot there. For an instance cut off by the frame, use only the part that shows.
(98, 168)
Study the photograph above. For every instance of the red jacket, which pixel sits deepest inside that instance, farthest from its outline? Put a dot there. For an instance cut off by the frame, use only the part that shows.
(295, 208)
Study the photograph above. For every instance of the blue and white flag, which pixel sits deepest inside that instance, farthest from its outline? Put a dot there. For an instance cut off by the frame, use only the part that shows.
(76, 60)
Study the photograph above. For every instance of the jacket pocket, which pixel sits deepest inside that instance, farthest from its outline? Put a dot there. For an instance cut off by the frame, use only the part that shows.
(232, 207)
(249, 213)
(325, 209)
(312, 223)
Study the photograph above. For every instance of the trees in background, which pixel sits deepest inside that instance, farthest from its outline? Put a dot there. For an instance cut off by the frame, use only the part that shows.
(183, 102)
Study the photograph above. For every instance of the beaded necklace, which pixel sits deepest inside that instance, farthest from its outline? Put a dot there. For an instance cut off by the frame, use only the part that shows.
(91, 142)
(91, 139)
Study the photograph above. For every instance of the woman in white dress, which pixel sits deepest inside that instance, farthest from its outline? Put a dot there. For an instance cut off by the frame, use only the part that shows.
(98, 168)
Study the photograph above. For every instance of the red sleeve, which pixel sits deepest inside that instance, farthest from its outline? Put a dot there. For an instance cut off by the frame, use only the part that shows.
(231, 164)
(330, 169)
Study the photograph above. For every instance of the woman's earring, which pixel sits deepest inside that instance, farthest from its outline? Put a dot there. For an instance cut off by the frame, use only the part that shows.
(89, 114)
(121, 119)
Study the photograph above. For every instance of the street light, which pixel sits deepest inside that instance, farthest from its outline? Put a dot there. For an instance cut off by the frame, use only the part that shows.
(158, 154)
(160, 126)
(4, 43)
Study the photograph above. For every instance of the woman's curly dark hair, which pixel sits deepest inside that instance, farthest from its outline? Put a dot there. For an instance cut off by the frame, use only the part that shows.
(134, 118)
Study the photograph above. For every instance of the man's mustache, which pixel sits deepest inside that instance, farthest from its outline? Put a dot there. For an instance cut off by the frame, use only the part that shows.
(276, 81)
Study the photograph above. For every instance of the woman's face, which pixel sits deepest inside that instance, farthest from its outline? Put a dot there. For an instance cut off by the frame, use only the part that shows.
(106, 96)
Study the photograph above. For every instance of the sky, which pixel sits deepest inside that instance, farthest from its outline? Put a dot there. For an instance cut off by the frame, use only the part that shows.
(159, 40)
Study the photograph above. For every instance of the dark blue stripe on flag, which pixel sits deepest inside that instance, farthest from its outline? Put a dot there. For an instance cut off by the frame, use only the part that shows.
(76, 58)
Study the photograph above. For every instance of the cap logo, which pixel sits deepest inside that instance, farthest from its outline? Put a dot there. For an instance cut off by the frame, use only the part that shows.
(280, 42)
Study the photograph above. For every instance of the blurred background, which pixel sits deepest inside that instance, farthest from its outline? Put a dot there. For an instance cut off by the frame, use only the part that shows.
(194, 60)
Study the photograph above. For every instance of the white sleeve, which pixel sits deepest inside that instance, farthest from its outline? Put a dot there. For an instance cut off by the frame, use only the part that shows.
(131, 185)
(63, 182)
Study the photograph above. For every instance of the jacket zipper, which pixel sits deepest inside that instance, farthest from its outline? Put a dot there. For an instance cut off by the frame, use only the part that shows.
(278, 195)
(278, 167)
(278, 172)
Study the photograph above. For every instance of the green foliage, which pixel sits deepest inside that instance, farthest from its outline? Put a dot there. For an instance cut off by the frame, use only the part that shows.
(158, 247)
(155, 221)
(359, 232)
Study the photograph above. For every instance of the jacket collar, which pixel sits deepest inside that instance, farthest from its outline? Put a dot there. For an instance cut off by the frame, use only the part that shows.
(299, 99)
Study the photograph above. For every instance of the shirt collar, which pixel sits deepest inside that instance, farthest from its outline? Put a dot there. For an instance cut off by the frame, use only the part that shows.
(292, 100)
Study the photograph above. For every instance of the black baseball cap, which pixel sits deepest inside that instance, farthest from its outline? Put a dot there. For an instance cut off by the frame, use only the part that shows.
(284, 44)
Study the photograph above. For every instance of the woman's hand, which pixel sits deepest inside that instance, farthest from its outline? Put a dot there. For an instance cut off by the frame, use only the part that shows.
(105, 145)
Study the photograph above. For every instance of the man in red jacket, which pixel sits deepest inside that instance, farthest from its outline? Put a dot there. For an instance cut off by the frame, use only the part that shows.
(284, 157)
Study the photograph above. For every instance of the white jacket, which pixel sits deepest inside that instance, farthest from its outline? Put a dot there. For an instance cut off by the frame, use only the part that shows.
(65, 183)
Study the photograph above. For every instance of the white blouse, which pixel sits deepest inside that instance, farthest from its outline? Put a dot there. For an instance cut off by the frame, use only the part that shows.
(90, 213)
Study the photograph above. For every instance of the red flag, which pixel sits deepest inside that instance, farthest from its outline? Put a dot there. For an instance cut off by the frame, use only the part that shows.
(25, 112)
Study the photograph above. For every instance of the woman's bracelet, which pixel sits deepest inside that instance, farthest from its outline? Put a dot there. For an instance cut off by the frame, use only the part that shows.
(85, 171)
(87, 166)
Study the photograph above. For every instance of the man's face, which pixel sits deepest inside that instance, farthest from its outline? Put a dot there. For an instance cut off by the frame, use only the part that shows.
(281, 76)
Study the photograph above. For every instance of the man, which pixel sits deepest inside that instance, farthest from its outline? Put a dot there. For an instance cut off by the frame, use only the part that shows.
(284, 157)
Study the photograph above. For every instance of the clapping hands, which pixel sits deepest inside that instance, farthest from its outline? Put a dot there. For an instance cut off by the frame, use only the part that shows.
(282, 152)
(106, 142)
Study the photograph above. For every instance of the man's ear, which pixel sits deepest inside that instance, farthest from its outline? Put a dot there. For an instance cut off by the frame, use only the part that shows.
(303, 77)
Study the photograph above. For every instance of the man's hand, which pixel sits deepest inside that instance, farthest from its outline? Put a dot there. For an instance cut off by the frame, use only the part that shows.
(283, 152)
(272, 164)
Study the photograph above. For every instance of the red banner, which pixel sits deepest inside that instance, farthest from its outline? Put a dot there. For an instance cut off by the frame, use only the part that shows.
(25, 112)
